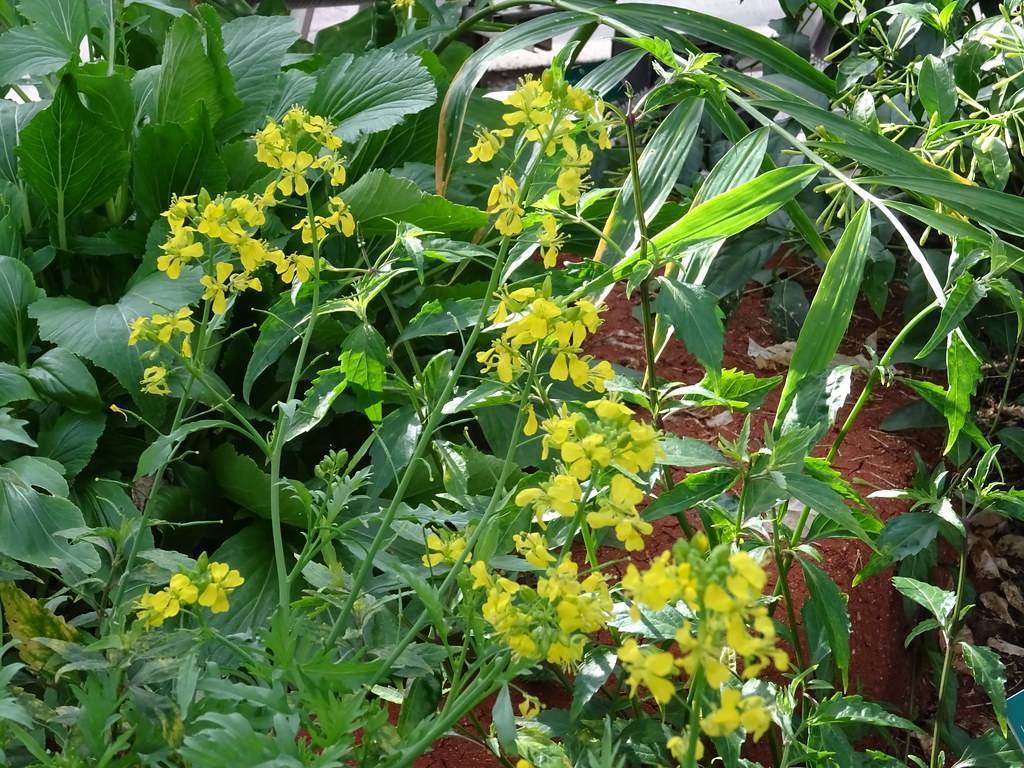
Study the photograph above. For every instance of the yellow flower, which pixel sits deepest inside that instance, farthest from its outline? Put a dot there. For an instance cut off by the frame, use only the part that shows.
(677, 748)
(293, 267)
(168, 325)
(618, 509)
(549, 240)
(488, 144)
(574, 170)
(514, 301)
(252, 253)
(661, 583)
(341, 217)
(582, 455)
(503, 200)
(183, 207)
(333, 167)
(533, 547)
(293, 177)
(321, 129)
(155, 608)
(178, 251)
(270, 145)
(651, 669)
(734, 712)
(223, 580)
(216, 289)
(560, 494)
(530, 427)
(154, 381)
(529, 101)
(501, 358)
(447, 550)
(530, 706)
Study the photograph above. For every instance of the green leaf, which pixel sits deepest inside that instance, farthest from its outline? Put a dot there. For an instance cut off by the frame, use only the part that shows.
(378, 200)
(993, 161)
(696, 320)
(109, 96)
(903, 536)
(963, 370)
(174, 158)
(821, 498)
(693, 489)
(193, 72)
(372, 92)
(162, 449)
(100, 334)
(12, 430)
(72, 439)
(966, 293)
(17, 290)
(990, 674)
(60, 376)
(1013, 438)
(830, 604)
(592, 674)
(733, 211)
(938, 602)
(255, 47)
(46, 45)
(936, 88)
(72, 158)
(504, 720)
(659, 165)
(854, 709)
(316, 403)
(277, 332)
(14, 386)
(689, 452)
(439, 318)
(241, 481)
(30, 523)
(13, 118)
(830, 310)
(364, 356)
(251, 551)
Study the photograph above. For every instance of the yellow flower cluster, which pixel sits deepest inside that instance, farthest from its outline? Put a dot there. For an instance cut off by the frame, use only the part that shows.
(552, 620)
(534, 318)
(209, 587)
(723, 591)
(446, 549)
(222, 232)
(587, 446)
(553, 113)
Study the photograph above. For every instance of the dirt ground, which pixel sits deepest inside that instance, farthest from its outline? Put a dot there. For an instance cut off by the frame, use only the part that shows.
(870, 458)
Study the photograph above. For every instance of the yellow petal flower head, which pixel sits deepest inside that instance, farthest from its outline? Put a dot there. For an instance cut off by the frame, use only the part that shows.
(561, 495)
(549, 240)
(511, 303)
(183, 208)
(534, 548)
(444, 550)
(734, 712)
(341, 217)
(334, 167)
(488, 144)
(293, 173)
(650, 669)
(530, 102)
(216, 288)
(154, 381)
(677, 748)
(295, 266)
(222, 581)
(168, 325)
(322, 130)
(502, 359)
(503, 200)
(530, 427)
(583, 455)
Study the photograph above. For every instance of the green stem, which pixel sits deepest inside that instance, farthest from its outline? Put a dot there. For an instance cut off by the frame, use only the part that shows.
(947, 658)
(693, 728)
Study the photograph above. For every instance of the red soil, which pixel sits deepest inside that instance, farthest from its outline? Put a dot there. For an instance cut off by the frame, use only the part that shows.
(870, 458)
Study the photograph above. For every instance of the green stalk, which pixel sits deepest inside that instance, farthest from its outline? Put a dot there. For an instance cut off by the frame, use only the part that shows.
(693, 728)
(277, 444)
(947, 658)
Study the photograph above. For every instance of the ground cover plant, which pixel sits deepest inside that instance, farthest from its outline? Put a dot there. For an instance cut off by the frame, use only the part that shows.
(308, 452)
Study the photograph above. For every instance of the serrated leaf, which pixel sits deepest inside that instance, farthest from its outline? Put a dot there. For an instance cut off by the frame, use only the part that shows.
(990, 674)
(72, 158)
(255, 47)
(364, 356)
(938, 602)
(100, 334)
(693, 489)
(372, 92)
(696, 320)
(689, 452)
(854, 709)
(194, 70)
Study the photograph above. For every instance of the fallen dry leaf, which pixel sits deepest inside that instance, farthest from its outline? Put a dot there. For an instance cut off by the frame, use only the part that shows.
(998, 606)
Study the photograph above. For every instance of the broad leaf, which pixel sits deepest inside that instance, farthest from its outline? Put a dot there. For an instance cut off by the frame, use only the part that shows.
(61, 376)
(72, 439)
(696, 320)
(30, 525)
(255, 48)
(251, 551)
(364, 356)
(378, 200)
(17, 291)
(72, 158)
(966, 293)
(372, 92)
(193, 71)
(48, 43)
(100, 334)
(938, 602)
(693, 489)
(936, 88)
(854, 709)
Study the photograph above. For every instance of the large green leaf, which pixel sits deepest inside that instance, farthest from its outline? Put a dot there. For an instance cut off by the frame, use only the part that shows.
(48, 43)
(829, 603)
(72, 158)
(244, 483)
(830, 310)
(733, 211)
(30, 526)
(100, 334)
(251, 551)
(855, 709)
(72, 439)
(697, 320)
(372, 92)
(990, 674)
(255, 47)
(937, 601)
(173, 158)
(378, 200)
(364, 356)
(17, 290)
(194, 70)
(821, 498)
(936, 88)
(963, 370)
(13, 118)
(659, 166)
